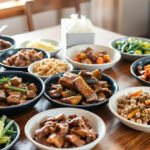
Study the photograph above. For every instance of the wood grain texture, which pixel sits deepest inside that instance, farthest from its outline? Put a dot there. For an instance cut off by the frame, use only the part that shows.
(118, 136)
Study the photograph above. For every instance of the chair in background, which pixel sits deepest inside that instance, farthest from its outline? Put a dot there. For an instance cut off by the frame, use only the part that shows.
(45, 5)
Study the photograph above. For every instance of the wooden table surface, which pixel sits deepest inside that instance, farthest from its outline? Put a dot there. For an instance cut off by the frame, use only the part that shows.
(118, 136)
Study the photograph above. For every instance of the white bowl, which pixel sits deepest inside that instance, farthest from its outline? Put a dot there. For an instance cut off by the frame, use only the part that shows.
(31, 66)
(73, 51)
(95, 121)
(54, 42)
(126, 56)
(113, 108)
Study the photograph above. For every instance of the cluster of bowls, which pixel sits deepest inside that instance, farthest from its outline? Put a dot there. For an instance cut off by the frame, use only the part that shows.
(95, 121)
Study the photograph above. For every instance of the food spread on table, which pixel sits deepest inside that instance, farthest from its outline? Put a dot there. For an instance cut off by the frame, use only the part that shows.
(4, 44)
(135, 107)
(49, 67)
(61, 131)
(23, 58)
(144, 72)
(48, 46)
(7, 131)
(133, 46)
(14, 91)
(89, 56)
(80, 89)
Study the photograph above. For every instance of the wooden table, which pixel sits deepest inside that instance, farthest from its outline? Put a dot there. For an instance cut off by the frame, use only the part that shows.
(118, 136)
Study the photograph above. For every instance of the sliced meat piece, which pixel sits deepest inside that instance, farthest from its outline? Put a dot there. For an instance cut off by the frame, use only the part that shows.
(67, 80)
(101, 96)
(84, 88)
(74, 100)
(91, 136)
(56, 91)
(56, 139)
(16, 80)
(106, 91)
(12, 99)
(57, 117)
(68, 93)
(17, 94)
(31, 94)
(40, 133)
(103, 84)
(92, 98)
(80, 132)
(78, 121)
(75, 140)
(62, 128)
(2, 95)
(32, 86)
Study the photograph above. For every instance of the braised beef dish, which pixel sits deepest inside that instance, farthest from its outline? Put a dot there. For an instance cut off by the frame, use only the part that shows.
(62, 131)
(80, 89)
(135, 107)
(14, 91)
(4, 44)
(23, 58)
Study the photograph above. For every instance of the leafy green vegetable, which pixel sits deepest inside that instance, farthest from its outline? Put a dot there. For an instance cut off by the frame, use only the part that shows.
(4, 80)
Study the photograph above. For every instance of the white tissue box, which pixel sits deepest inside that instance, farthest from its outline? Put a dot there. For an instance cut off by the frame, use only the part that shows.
(79, 38)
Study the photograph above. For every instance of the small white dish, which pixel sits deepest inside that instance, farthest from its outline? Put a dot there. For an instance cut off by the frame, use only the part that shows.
(113, 108)
(73, 51)
(53, 42)
(96, 122)
(31, 66)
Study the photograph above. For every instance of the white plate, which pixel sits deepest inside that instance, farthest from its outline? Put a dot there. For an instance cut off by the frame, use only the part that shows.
(54, 42)
(113, 108)
(73, 51)
(96, 123)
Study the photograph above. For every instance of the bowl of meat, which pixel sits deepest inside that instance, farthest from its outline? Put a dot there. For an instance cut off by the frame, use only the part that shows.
(132, 107)
(91, 57)
(21, 58)
(81, 89)
(19, 91)
(140, 69)
(65, 129)
(6, 43)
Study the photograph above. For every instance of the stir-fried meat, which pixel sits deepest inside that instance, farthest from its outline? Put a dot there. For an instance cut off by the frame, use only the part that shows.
(65, 131)
(40, 133)
(67, 80)
(16, 80)
(13, 99)
(101, 96)
(62, 128)
(32, 87)
(75, 140)
(57, 117)
(2, 95)
(31, 94)
(56, 90)
(56, 139)
(84, 88)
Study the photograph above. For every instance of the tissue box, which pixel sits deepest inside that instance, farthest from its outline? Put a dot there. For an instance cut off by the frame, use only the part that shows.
(79, 38)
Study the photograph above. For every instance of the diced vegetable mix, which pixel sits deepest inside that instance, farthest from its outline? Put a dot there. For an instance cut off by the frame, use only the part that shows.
(133, 46)
(7, 131)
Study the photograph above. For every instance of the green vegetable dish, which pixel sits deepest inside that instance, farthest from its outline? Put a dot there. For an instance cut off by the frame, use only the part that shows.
(133, 46)
(14, 91)
(7, 131)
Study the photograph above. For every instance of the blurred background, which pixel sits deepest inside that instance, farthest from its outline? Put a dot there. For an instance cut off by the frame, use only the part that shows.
(128, 17)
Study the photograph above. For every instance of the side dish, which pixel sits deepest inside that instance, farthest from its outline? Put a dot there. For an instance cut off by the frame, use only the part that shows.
(89, 56)
(49, 67)
(62, 131)
(14, 91)
(23, 58)
(144, 72)
(4, 44)
(133, 46)
(7, 132)
(135, 107)
(82, 88)
(42, 45)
